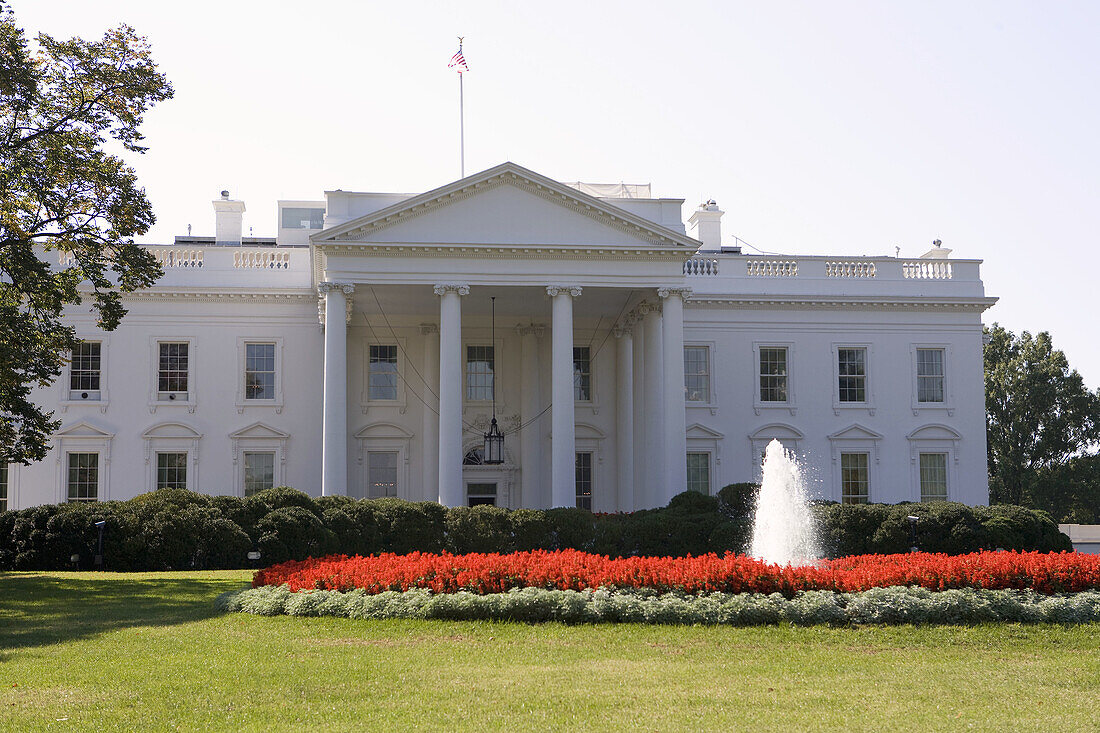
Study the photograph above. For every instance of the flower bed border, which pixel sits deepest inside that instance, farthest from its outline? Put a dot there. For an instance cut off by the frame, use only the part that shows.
(878, 606)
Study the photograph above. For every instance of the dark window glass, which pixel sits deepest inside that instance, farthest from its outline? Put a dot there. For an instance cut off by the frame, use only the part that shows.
(852, 368)
(582, 374)
(172, 370)
(584, 481)
(382, 377)
(259, 372)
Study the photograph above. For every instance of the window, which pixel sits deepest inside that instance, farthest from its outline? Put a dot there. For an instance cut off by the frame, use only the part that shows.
(3, 487)
(480, 368)
(930, 374)
(697, 373)
(259, 371)
(171, 471)
(259, 472)
(382, 474)
(172, 370)
(82, 481)
(584, 481)
(773, 374)
(852, 371)
(933, 477)
(301, 218)
(85, 371)
(854, 478)
(582, 374)
(698, 472)
(481, 493)
(382, 375)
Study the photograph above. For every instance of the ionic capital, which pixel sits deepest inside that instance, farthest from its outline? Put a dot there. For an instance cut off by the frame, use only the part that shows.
(647, 307)
(444, 288)
(555, 290)
(328, 286)
(426, 329)
(684, 293)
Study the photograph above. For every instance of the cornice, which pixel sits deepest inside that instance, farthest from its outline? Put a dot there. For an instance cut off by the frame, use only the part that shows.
(502, 251)
(205, 296)
(974, 305)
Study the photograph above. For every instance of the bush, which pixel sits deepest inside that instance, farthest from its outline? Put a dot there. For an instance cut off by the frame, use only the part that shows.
(293, 533)
(738, 501)
(478, 529)
(406, 526)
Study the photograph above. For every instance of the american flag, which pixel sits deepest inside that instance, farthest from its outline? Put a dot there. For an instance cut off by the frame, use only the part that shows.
(458, 61)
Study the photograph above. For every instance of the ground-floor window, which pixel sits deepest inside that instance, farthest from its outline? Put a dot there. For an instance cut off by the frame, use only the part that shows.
(933, 477)
(171, 471)
(3, 487)
(82, 480)
(382, 474)
(698, 472)
(481, 492)
(854, 478)
(259, 472)
(584, 481)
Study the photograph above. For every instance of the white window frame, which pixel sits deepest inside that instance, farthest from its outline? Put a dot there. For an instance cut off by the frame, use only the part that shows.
(591, 377)
(855, 438)
(171, 437)
(258, 438)
(934, 438)
(83, 437)
(276, 463)
(66, 401)
(710, 468)
(948, 403)
(947, 474)
(382, 437)
(156, 466)
(847, 451)
(242, 362)
(191, 402)
(758, 405)
(590, 439)
(790, 436)
(593, 462)
(712, 403)
(367, 485)
(868, 403)
(365, 401)
(498, 371)
(701, 439)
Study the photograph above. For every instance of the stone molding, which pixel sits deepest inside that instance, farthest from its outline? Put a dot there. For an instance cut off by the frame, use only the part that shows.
(555, 290)
(684, 293)
(326, 286)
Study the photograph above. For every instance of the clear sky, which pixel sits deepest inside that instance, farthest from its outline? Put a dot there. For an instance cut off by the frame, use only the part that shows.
(819, 127)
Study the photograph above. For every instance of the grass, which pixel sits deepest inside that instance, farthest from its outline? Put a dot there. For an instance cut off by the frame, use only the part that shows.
(84, 651)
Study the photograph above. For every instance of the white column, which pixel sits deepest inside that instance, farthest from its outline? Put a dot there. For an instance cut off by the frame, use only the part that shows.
(655, 432)
(530, 446)
(624, 418)
(563, 458)
(450, 393)
(429, 463)
(334, 436)
(675, 407)
(639, 412)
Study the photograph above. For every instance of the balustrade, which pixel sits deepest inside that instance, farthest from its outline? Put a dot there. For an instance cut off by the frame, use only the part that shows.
(701, 266)
(849, 269)
(771, 268)
(926, 270)
(252, 260)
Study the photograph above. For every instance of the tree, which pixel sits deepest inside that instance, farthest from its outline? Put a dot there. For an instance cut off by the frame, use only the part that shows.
(1039, 415)
(65, 198)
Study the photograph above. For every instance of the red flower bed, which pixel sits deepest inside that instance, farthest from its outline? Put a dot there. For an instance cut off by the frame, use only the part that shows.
(1065, 572)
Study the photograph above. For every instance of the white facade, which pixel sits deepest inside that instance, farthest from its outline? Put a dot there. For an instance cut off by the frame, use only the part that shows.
(250, 362)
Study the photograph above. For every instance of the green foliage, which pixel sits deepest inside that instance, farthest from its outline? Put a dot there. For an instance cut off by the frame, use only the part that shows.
(293, 533)
(738, 501)
(1039, 416)
(61, 106)
(478, 529)
(405, 526)
(571, 528)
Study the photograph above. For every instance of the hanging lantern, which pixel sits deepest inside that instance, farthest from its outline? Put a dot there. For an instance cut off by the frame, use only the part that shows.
(494, 445)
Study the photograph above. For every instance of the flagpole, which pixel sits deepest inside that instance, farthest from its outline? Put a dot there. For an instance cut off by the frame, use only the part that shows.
(461, 126)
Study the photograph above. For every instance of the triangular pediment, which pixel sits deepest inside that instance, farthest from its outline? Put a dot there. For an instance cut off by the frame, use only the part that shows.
(777, 431)
(83, 430)
(507, 206)
(696, 430)
(259, 430)
(855, 432)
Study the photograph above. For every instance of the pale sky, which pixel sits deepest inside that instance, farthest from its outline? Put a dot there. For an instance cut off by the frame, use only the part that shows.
(819, 127)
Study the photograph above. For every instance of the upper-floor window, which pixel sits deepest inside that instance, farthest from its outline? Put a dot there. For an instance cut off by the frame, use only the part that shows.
(582, 373)
(82, 477)
(259, 371)
(698, 472)
(85, 371)
(697, 373)
(584, 481)
(930, 375)
(382, 372)
(259, 471)
(172, 470)
(933, 477)
(480, 373)
(854, 478)
(172, 370)
(300, 218)
(773, 374)
(852, 371)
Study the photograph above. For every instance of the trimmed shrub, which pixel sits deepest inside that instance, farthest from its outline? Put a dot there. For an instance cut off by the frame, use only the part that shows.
(738, 501)
(406, 526)
(478, 529)
(531, 530)
(293, 533)
(571, 529)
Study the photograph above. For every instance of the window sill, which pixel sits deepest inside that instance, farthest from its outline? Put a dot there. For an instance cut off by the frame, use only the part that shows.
(790, 407)
(156, 404)
(868, 407)
(101, 403)
(919, 406)
(277, 404)
(700, 405)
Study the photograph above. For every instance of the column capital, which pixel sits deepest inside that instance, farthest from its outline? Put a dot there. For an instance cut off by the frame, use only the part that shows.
(623, 329)
(426, 329)
(647, 307)
(533, 329)
(684, 293)
(555, 290)
(327, 286)
(444, 288)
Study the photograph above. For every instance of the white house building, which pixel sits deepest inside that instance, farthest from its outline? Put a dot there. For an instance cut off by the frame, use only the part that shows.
(355, 353)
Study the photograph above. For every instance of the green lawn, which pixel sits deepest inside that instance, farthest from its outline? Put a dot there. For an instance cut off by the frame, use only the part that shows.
(84, 651)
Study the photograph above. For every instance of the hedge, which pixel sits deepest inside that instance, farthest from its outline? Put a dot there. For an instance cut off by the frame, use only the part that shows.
(893, 605)
(176, 529)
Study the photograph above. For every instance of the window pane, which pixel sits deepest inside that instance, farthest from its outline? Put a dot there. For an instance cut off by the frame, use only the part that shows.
(481, 493)
(582, 374)
(930, 375)
(698, 472)
(84, 371)
(382, 473)
(854, 478)
(480, 367)
(773, 375)
(82, 481)
(172, 371)
(300, 218)
(382, 377)
(697, 373)
(933, 477)
(852, 368)
(171, 471)
(3, 487)
(584, 481)
(259, 472)
(259, 372)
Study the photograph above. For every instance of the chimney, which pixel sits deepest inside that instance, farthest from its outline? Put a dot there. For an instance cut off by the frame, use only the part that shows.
(228, 216)
(707, 220)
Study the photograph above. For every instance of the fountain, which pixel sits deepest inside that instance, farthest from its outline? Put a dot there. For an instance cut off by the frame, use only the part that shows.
(783, 530)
